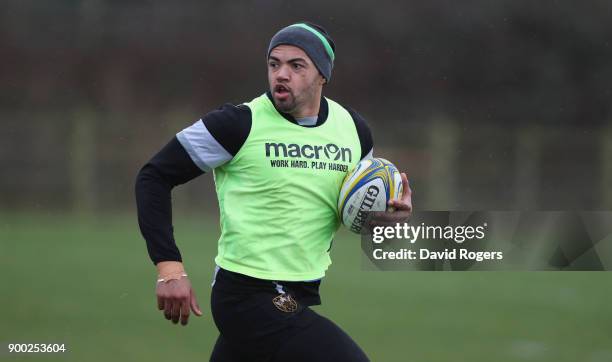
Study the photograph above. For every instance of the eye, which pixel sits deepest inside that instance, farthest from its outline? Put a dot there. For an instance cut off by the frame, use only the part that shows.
(272, 64)
(297, 66)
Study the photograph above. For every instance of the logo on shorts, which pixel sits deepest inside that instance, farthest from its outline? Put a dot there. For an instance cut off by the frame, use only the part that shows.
(285, 303)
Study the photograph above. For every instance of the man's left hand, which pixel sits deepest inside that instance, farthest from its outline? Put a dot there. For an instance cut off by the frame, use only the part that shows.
(399, 210)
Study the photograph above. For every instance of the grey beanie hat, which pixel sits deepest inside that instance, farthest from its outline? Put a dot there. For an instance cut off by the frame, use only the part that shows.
(313, 40)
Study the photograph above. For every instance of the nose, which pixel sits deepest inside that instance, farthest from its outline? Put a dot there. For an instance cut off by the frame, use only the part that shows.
(283, 73)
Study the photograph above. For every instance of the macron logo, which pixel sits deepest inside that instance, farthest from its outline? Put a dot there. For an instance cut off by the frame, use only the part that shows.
(293, 150)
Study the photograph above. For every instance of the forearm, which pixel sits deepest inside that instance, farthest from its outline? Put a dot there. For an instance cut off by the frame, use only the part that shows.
(153, 201)
(170, 167)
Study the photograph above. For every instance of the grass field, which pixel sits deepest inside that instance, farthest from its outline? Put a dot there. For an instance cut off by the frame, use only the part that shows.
(89, 284)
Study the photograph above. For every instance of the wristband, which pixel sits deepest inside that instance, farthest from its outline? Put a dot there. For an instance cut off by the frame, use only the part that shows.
(171, 277)
(170, 270)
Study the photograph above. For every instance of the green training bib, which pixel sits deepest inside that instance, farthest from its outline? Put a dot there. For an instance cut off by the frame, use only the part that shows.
(278, 195)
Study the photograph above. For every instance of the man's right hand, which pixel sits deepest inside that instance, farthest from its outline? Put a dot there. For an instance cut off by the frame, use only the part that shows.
(176, 298)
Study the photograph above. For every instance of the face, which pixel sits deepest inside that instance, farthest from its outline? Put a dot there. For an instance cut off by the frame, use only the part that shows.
(295, 82)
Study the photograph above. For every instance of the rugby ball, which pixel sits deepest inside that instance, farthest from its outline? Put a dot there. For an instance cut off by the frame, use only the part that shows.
(368, 187)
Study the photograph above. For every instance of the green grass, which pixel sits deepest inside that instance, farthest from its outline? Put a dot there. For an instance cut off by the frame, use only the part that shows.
(89, 284)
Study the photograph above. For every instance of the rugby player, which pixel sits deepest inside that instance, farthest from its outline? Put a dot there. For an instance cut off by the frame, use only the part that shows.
(278, 162)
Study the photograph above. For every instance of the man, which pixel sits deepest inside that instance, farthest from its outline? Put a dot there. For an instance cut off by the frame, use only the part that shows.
(277, 205)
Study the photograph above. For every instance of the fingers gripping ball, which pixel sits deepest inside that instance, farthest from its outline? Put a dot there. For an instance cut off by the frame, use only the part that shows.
(369, 187)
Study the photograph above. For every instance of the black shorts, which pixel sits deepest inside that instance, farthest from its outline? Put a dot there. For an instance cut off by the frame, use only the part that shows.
(261, 320)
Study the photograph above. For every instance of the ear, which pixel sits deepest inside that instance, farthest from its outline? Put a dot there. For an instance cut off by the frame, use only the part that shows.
(322, 80)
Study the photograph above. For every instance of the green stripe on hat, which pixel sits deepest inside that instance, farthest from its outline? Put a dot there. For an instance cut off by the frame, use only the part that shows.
(328, 47)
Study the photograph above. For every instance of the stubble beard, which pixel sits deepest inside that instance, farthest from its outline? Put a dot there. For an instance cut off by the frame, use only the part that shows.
(288, 105)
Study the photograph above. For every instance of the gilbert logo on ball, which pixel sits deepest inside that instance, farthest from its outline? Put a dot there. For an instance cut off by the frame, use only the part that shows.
(368, 187)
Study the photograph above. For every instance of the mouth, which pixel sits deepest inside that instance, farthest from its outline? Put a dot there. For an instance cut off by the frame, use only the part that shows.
(281, 91)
